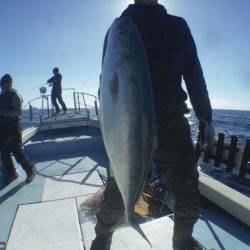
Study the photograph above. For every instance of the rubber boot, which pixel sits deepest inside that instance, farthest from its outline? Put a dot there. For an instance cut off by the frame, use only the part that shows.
(30, 176)
(189, 245)
(55, 113)
(101, 243)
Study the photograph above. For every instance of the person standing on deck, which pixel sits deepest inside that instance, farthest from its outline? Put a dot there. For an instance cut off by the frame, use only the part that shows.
(172, 55)
(56, 93)
(11, 131)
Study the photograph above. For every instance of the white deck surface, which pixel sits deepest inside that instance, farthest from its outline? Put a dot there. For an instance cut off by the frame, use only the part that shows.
(46, 225)
(58, 222)
(61, 224)
(72, 185)
(225, 197)
(159, 233)
(66, 246)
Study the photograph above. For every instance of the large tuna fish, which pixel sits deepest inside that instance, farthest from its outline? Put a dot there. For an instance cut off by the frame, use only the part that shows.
(127, 113)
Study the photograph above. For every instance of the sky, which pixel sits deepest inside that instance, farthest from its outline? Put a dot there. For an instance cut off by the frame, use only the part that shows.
(39, 35)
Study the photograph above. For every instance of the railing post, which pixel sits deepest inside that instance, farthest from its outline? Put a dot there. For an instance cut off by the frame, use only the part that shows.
(88, 114)
(85, 104)
(96, 108)
(48, 106)
(232, 153)
(79, 106)
(74, 97)
(246, 158)
(206, 155)
(31, 112)
(219, 151)
(42, 108)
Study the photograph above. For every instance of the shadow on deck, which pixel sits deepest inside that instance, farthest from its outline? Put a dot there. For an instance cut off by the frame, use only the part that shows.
(63, 156)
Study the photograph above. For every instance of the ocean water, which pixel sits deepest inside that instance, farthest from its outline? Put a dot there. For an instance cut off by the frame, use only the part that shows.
(229, 122)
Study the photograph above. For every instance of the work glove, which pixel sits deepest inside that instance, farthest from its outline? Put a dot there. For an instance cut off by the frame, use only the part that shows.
(206, 135)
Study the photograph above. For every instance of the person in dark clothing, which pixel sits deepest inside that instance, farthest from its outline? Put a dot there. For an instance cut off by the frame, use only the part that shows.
(11, 132)
(56, 93)
(172, 55)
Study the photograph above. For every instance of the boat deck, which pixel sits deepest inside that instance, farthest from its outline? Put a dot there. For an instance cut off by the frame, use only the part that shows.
(66, 163)
(63, 116)
(47, 213)
(69, 119)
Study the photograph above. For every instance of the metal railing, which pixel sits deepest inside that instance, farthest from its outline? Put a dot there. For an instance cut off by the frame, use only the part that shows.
(87, 104)
(44, 98)
(84, 103)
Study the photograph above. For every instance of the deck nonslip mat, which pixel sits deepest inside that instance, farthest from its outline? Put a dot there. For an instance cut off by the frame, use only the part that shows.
(15, 194)
(44, 225)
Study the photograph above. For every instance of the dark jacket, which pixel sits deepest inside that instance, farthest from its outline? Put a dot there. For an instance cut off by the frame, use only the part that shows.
(56, 80)
(10, 109)
(172, 55)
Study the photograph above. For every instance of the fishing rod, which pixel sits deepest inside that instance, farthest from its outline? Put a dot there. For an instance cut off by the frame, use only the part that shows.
(35, 88)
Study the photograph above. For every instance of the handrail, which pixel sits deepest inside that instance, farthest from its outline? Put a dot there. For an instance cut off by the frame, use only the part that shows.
(78, 98)
(69, 89)
(43, 97)
(86, 105)
(87, 94)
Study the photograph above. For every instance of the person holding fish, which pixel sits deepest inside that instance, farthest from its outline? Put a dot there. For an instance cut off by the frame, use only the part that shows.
(171, 55)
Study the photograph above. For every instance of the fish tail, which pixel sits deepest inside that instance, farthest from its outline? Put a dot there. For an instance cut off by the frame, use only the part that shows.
(139, 230)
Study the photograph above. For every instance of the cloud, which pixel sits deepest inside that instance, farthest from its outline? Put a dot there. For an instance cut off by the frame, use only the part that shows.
(221, 103)
(225, 103)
